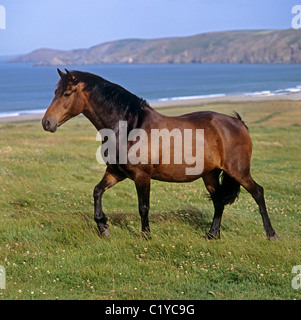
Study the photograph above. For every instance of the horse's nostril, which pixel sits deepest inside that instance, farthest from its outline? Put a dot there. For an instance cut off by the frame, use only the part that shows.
(49, 125)
(46, 125)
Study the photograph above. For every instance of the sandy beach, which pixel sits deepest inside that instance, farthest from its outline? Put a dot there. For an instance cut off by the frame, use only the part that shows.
(182, 103)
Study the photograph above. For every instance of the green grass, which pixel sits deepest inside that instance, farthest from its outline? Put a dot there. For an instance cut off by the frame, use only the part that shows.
(50, 247)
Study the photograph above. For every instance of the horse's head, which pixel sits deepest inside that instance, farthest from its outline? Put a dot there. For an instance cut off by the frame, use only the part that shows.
(68, 102)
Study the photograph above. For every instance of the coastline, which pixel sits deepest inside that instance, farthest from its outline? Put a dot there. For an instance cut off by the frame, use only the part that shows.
(181, 103)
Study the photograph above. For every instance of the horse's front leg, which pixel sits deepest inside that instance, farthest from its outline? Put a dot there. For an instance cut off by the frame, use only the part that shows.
(143, 190)
(108, 181)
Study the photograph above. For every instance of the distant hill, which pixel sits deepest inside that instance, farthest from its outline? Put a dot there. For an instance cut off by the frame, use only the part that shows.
(260, 46)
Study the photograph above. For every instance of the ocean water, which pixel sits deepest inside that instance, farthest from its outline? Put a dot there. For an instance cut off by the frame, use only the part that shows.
(26, 89)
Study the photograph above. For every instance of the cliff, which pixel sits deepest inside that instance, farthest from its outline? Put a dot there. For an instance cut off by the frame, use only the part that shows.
(263, 46)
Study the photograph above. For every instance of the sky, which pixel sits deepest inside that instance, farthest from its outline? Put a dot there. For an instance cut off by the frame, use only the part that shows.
(72, 24)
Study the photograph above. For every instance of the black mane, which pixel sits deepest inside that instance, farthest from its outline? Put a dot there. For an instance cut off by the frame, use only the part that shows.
(104, 93)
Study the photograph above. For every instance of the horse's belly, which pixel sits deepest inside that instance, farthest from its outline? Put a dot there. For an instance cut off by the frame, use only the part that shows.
(174, 173)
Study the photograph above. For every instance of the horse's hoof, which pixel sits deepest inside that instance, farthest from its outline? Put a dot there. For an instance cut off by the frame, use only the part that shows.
(106, 232)
(275, 237)
(211, 236)
(146, 235)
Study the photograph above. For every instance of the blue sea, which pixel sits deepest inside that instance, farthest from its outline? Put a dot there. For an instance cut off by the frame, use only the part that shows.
(27, 89)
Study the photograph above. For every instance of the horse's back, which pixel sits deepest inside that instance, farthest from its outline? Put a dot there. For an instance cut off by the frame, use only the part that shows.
(211, 117)
(222, 123)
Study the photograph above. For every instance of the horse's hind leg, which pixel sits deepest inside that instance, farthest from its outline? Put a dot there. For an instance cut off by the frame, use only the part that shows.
(142, 183)
(108, 181)
(257, 193)
(212, 184)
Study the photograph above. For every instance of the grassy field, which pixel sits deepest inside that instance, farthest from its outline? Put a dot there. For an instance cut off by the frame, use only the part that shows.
(50, 247)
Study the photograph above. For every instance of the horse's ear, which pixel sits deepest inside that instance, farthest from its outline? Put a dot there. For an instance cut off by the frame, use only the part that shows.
(61, 73)
(70, 76)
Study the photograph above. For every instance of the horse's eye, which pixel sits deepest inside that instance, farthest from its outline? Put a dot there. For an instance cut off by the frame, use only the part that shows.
(67, 94)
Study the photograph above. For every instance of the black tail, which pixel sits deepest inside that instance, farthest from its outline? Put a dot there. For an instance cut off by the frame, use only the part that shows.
(228, 190)
(237, 115)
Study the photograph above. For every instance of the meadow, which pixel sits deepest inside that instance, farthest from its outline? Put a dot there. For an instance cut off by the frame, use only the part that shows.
(50, 247)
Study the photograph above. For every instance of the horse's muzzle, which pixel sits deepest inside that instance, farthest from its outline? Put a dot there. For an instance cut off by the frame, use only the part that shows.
(49, 124)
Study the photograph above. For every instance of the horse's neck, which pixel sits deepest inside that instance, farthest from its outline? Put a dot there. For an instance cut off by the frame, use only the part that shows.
(90, 114)
(100, 118)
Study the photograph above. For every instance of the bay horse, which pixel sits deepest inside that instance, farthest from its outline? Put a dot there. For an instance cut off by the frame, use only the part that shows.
(227, 146)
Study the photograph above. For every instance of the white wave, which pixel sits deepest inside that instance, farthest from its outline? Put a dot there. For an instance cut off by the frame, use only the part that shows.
(22, 112)
(9, 114)
(191, 97)
(260, 93)
(33, 111)
(290, 90)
